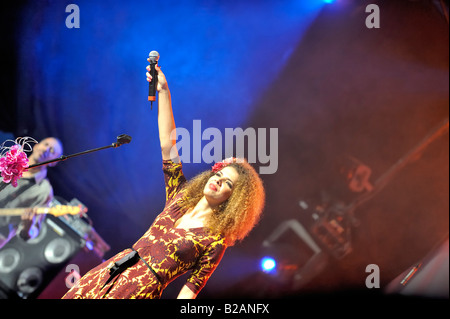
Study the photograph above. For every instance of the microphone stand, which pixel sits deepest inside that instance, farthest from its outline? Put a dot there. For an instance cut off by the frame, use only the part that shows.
(121, 139)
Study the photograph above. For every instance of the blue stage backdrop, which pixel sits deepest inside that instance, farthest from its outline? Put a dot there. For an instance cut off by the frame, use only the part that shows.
(87, 85)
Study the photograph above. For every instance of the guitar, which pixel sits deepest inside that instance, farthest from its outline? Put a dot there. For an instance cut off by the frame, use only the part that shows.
(57, 210)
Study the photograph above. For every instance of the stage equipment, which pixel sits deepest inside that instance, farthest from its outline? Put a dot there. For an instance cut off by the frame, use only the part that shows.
(27, 267)
(293, 255)
(333, 225)
(429, 277)
(121, 140)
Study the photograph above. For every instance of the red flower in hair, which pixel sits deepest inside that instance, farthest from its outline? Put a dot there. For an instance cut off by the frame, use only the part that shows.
(218, 166)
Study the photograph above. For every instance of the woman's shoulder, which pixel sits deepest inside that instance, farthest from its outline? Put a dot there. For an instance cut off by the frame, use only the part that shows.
(173, 170)
(171, 164)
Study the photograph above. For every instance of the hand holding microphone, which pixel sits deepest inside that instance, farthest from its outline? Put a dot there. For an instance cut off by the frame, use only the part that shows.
(155, 77)
(153, 58)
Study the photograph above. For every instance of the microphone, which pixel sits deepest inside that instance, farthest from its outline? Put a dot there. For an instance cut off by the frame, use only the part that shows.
(122, 139)
(154, 57)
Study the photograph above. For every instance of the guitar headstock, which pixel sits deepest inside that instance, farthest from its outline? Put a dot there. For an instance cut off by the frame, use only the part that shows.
(60, 210)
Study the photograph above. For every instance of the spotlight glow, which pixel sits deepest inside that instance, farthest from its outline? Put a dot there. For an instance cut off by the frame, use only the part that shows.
(268, 264)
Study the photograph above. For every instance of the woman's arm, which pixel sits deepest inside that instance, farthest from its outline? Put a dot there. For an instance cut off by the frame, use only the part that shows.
(186, 293)
(166, 122)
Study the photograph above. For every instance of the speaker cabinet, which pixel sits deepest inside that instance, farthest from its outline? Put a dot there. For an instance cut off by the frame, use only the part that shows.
(27, 267)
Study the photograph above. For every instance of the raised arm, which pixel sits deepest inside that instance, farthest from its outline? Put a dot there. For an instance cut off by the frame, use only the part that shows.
(166, 122)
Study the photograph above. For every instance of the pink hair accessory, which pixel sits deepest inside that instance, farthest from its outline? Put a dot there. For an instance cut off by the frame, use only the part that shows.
(14, 160)
(220, 165)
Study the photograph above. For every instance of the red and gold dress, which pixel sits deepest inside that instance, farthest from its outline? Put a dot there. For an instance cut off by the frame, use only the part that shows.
(168, 250)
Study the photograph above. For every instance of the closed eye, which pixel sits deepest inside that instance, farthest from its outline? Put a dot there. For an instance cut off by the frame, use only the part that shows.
(229, 182)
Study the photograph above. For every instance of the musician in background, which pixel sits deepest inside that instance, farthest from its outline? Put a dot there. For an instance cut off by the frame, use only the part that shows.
(33, 190)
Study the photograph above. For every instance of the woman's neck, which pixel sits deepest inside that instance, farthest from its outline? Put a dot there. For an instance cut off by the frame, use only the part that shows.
(202, 209)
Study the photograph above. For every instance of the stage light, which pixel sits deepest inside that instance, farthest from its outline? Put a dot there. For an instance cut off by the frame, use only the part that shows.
(90, 245)
(328, 1)
(290, 257)
(268, 264)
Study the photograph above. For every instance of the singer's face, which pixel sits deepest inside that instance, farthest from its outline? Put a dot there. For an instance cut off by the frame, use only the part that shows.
(46, 150)
(220, 186)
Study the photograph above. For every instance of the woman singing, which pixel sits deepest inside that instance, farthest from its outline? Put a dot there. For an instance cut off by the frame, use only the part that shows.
(200, 220)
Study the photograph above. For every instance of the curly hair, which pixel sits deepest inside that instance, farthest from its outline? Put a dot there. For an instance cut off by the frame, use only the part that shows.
(237, 216)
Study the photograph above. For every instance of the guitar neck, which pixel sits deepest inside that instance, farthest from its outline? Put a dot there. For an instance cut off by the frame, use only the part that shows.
(20, 211)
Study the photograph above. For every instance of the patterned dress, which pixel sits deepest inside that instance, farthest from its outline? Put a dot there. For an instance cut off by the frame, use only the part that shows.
(168, 250)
